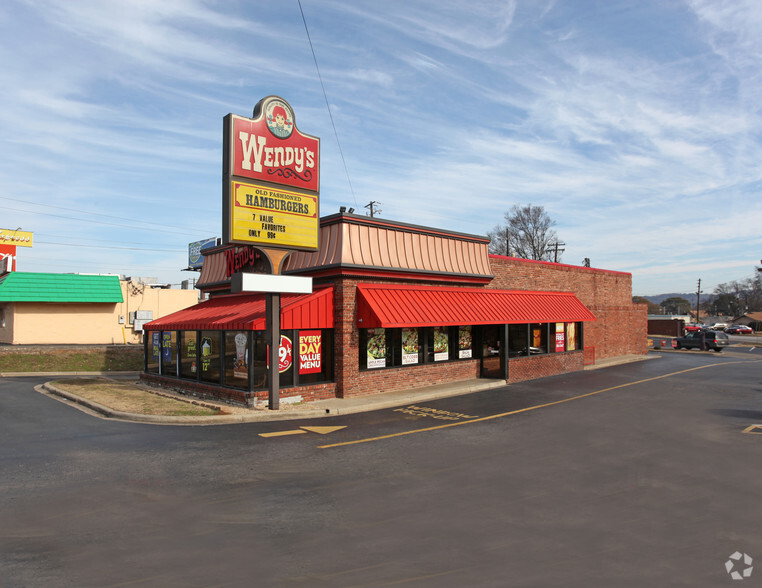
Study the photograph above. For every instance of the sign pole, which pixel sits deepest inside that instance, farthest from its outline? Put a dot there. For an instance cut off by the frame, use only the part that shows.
(273, 336)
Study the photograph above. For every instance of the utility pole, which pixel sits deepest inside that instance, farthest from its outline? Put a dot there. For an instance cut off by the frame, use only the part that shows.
(507, 241)
(698, 297)
(373, 211)
(556, 246)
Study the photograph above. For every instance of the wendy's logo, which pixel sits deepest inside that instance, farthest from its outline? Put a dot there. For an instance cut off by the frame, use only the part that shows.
(279, 118)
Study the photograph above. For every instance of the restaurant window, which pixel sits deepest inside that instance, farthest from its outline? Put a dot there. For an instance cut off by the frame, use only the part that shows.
(572, 336)
(153, 351)
(259, 359)
(408, 345)
(286, 355)
(376, 350)
(518, 340)
(209, 360)
(169, 353)
(237, 345)
(189, 354)
(315, 349)
(465, 342)
(539, 338)
(438, 344)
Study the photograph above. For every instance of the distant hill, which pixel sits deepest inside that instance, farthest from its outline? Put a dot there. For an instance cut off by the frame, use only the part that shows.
(659, 298)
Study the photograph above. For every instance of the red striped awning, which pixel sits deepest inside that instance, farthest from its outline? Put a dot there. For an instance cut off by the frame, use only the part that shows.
(390, 306)
(246, 312)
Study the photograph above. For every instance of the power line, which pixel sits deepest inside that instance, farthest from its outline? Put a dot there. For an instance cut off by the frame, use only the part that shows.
(88, 220)
(328, 106)
(137, 220)
(107, 247)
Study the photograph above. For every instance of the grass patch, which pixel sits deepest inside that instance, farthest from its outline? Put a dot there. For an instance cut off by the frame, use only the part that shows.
(105, 359)
(126, 397)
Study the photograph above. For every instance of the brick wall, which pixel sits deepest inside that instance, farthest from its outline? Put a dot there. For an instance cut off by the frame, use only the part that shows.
(620, 326)
(521, 369)
(208, 391)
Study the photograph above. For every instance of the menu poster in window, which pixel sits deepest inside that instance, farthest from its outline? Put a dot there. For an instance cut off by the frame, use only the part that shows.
(285, 354)
(155, 340)
(560, 342)
(241, 365)
(571, 337)
(441, 344)
(409, 346)
(206, 352)
(537, 337)
(376, 348)
(465, 342)
(166, 346)
(310, 343)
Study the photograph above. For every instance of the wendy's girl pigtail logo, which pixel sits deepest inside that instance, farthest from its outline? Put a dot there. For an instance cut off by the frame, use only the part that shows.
(280, 119)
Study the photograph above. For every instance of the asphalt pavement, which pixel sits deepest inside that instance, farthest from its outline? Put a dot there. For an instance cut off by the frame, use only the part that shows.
(306, 410)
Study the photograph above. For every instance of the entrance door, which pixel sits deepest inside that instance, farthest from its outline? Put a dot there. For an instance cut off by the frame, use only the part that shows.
(492, 352)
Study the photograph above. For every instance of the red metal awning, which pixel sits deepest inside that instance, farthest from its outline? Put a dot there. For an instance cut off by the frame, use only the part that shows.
(390, 306)
(246, 312)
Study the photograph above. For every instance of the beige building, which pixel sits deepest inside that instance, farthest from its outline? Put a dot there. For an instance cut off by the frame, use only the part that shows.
(44, 308)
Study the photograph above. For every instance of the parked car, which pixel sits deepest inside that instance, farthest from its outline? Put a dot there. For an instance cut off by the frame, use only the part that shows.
(719, 326)
(739, 330)
(707, 339)
(691, 327)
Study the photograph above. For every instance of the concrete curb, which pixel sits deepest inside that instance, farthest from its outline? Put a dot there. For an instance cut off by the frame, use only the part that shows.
(225, 419)
(316, 409)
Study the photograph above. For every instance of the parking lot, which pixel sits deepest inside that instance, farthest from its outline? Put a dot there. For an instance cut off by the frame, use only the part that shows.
(643, 474)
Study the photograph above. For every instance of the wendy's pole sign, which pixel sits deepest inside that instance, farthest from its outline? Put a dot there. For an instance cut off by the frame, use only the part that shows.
(271, 181)
(270, 201)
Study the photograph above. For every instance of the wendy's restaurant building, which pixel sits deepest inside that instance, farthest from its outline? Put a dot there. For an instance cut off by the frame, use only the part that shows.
(392, 306)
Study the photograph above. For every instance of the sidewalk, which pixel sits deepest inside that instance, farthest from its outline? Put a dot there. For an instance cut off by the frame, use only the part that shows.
(307, 410)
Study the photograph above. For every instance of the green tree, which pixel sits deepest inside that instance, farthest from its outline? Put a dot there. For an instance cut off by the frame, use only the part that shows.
(676, 305)
(527, 233)
(653, 308)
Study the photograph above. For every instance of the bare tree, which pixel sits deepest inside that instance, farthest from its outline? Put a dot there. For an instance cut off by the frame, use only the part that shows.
(527, 234)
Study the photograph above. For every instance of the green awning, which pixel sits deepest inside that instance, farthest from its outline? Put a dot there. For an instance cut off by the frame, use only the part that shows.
(43, 287)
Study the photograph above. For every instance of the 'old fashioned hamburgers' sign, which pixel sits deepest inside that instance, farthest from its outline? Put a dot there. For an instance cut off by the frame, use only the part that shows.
(271, 179)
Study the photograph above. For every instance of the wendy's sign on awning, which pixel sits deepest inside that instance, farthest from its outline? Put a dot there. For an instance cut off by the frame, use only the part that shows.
(261, 155)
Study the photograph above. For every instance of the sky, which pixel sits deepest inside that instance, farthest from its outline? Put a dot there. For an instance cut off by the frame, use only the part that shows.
(635, 125)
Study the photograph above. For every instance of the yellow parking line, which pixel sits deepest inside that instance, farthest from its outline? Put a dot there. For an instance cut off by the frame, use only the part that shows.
(527, 409)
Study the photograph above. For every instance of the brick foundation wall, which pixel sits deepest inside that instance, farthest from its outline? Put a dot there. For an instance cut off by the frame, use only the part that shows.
(521, 369)
(208, 391)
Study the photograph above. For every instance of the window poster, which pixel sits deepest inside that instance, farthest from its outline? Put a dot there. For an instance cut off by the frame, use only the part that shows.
(241, 364)
(285, 354)
(166, 346)
(537, 337)
(571, 337)
(206, 353)
(560, 342)
(310, 352)
(409, 346)
(465, 342)
(376, 348)
(441, 344)
(155, 346)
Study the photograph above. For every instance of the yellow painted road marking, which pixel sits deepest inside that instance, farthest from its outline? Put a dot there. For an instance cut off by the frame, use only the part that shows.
(754, 430)
(323, 430)
(281, 433)
(527, 409)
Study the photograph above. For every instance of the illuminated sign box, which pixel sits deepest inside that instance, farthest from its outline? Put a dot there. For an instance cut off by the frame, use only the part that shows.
(271, 179)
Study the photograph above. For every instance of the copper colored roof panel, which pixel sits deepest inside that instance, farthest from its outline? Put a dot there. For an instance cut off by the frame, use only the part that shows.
(352, 243)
